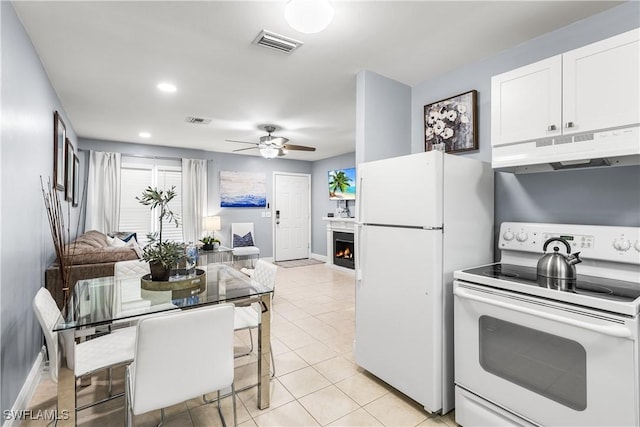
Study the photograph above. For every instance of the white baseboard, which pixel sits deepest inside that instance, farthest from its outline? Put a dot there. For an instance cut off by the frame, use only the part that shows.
(28, 390)
(343, 269)
(322, 258)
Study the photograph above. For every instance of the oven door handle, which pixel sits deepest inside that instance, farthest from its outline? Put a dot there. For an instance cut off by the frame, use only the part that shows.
(615, 331)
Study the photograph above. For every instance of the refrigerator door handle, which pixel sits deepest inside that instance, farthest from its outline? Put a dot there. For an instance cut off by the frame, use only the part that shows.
(358, 237)
(415, 227)
(359, 197)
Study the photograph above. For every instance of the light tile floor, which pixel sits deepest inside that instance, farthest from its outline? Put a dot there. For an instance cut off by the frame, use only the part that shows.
(317, 381)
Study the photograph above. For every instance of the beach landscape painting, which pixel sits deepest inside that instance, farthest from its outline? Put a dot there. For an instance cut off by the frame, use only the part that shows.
(243, 189)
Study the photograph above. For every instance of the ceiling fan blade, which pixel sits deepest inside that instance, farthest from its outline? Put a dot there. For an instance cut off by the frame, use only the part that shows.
(298, 147)
(242, 142)
(243, 149)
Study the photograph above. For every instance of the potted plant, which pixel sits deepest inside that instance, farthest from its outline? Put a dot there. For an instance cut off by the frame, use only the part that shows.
(161, 256)
(210, 243)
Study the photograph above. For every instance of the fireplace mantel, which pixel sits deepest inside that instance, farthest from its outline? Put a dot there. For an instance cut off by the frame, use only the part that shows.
(335, 222)
(345, 225)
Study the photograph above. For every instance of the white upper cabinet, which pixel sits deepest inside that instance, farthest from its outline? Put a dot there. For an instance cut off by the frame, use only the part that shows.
(592, 88)
(601, 85)
(526, 103)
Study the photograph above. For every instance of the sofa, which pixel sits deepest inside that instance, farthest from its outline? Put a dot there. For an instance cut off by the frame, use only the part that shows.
(92, 254)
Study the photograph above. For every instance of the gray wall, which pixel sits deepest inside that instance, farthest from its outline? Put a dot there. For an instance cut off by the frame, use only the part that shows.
(603, 197)
(320, 203)
(217, 162)
(28, 102)
(383, 117)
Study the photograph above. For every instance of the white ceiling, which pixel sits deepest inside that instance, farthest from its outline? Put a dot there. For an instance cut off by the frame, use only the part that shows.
(105, 59)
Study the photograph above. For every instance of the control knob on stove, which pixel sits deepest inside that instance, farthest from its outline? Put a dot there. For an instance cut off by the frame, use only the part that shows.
(522, 236)
(508, 236)
(622, 244)
(637, 246)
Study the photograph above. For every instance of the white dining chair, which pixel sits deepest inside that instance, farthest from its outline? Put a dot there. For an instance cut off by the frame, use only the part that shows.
(249, 317)
(103, 352)
(180, 356)
(243, 241)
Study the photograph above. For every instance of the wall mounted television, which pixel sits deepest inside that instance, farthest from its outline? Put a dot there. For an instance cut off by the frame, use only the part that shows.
(342, 184)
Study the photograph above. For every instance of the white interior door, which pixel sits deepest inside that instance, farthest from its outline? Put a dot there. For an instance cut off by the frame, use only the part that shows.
(291, 216)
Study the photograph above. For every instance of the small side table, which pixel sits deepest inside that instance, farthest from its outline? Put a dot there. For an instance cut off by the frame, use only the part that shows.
(215, 256)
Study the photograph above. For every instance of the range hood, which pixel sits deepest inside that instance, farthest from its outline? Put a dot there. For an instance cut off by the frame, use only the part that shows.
(608, 148)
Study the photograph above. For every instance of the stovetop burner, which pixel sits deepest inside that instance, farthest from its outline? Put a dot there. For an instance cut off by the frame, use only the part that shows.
(597, 287)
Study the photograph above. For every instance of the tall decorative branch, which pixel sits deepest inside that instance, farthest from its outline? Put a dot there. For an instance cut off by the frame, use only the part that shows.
(58, 234)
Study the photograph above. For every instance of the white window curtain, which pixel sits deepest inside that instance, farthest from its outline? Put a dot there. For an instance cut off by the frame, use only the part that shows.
(194, 198)
(103, 192)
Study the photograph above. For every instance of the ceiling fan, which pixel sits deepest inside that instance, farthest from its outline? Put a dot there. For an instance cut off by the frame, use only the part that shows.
(272, 146)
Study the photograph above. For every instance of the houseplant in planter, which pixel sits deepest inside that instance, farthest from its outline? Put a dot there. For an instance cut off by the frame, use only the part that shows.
(161, 256)
(210, 243)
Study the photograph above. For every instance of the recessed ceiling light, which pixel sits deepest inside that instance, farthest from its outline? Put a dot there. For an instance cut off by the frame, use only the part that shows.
(167, 87)
(308, 16)
(144, 135)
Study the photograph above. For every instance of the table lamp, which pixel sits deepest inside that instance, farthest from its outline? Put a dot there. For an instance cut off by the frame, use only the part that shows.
(212, 224)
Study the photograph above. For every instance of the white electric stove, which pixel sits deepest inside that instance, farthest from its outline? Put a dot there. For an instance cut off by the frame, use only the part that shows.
(530, 350)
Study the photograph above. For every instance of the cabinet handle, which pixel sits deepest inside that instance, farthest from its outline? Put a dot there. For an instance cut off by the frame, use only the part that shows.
(551, 128)
(569, 125)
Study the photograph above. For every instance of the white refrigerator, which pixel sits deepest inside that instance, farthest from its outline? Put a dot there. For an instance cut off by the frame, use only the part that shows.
(419, 218)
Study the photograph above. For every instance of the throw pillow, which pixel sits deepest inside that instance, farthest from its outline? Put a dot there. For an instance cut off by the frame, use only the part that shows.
(134, 245)
(246, 240)
(118, 243)
(125, 236)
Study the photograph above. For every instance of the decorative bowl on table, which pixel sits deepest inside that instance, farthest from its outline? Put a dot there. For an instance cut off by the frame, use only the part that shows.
(183, 282)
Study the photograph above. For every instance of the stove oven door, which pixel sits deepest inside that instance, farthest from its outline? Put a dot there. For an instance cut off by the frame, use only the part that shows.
(549, 363)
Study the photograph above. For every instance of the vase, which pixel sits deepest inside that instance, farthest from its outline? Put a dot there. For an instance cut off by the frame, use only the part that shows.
(159, 272)
(207, 247)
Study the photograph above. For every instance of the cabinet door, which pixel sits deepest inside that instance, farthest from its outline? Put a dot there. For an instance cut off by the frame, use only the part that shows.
(526, 102)
(601, 84)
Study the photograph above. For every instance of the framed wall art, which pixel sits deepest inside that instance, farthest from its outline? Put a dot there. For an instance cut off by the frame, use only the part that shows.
(68, 182)
(59, 138)
(452, 122)
(243, 189)
(76, 180)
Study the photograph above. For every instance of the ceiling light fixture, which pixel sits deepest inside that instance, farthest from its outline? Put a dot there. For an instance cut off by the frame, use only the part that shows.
(269, 152)
(144, 135)
(308, 16)
(166, 87)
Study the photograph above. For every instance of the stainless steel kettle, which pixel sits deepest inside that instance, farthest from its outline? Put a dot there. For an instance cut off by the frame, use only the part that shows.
(557, 265)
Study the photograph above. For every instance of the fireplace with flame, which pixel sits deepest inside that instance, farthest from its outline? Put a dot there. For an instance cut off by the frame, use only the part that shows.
(343, 250)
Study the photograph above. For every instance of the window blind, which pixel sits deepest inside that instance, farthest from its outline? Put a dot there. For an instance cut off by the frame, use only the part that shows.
(135, 217)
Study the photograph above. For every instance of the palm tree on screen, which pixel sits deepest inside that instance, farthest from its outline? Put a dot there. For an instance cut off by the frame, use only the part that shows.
(339, 182)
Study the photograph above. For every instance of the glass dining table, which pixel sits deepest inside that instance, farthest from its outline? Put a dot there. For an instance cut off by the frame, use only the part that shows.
(110, 302)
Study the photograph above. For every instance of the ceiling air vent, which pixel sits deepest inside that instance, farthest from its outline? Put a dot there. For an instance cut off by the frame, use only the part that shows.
(197, 120)
(277, 42)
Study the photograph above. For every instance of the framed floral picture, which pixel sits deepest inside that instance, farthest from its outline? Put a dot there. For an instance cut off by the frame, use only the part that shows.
(59, 138)
(452, 122)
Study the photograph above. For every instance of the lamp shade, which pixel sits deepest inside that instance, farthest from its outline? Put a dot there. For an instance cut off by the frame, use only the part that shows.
(212, 223)
(308, 16)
